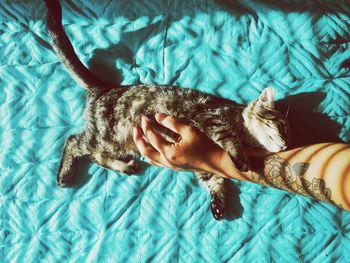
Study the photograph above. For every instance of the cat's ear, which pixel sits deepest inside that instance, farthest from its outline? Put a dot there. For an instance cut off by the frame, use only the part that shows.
(267, 98)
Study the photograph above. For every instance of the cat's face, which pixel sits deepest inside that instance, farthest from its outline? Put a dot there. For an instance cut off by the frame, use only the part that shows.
(266, 124)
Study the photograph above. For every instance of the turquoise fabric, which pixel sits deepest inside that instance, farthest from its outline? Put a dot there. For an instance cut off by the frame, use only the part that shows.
(231, 49)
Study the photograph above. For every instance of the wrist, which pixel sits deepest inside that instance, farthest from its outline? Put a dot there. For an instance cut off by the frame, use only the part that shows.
(217, 162)
(228, 169)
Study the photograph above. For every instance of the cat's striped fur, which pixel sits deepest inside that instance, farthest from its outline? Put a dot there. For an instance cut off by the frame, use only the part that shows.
(111, 112)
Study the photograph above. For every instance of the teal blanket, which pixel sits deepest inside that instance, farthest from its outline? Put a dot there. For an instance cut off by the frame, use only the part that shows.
(231, 49)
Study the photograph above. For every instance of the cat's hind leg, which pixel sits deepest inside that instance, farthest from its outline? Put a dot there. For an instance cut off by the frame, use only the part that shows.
(126, 166)
(232, 144)
(74, 149)
(216, 186)
(235, 149)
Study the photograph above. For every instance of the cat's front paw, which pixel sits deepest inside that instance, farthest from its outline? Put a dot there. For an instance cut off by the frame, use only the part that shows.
(133, 167)
(243, 167)
(217, 206)
(241, 164)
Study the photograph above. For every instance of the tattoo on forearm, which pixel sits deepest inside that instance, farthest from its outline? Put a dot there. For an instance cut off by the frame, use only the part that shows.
(279, 173)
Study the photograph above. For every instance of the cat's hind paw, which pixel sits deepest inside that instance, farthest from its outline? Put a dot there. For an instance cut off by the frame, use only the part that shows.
(64, 181)
(65, 176)
(217, 207)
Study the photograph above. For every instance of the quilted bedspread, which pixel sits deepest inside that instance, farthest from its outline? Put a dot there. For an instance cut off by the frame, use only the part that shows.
(231, 49)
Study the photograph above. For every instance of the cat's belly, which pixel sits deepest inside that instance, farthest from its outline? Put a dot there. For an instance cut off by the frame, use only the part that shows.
(115, 138)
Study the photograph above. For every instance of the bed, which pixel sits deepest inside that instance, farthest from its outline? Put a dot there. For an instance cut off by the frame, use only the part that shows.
(231, 49)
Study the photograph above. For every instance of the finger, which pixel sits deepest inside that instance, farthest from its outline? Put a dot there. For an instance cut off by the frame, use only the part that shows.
(163, 163)
(155, 163)
(171, 123)
(153, 138)
(144, 148)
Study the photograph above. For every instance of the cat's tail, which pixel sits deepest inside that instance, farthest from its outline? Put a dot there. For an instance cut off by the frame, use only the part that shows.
(65, 50)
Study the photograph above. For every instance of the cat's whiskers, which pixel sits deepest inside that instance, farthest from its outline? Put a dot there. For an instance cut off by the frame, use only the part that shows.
(285, 118)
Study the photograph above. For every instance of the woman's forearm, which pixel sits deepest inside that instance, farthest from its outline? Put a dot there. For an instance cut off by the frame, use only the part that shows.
(320, 171)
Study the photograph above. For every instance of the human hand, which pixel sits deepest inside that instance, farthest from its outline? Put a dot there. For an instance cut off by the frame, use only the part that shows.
(193, 151)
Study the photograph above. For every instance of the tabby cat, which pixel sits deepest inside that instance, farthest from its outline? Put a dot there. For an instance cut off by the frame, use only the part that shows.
(112, 110)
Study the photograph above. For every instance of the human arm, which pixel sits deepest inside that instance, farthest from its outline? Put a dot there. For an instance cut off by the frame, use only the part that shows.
(320, 171)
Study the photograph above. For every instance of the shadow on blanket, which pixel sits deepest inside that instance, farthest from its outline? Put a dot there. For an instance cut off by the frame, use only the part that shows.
(234, 209)
(104, 62)
(239, 7)
(307, 125)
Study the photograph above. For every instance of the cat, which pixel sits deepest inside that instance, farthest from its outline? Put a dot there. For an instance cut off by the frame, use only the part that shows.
(111, 111)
